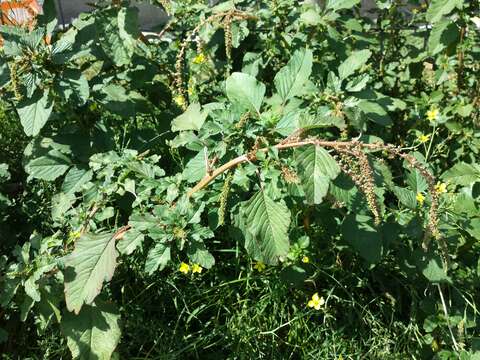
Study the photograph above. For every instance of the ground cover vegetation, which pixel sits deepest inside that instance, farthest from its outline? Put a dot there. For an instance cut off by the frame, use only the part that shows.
(258, 179)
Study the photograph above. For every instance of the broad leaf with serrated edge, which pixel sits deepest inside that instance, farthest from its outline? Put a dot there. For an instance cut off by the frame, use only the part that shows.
(291, 78)
(246, 91)
(34, 112)
(75, 178)
(353, 63)
(463, 174)
(336, 5)
(94, 333)
(48, 167)
(316, 168)
(86, 269)
(438, 8)
(192, 119)
(268, 221)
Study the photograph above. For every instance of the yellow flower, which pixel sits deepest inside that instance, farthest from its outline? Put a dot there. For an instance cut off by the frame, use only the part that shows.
(420, 198)
(432, 114)
(260, 266)
(199, 59)
(305, 259)
(423, 138)
(196, 269)
(441, 188)
(316, 302)
(74, 235)
(179, 100)
(184, 268)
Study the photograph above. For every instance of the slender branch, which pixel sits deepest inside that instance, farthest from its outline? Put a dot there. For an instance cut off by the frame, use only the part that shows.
(208, 178)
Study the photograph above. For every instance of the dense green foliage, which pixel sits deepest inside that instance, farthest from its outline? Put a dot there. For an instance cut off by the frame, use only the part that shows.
(260, 179)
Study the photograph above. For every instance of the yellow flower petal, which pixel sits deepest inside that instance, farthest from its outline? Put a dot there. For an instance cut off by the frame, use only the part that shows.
(305, 259)
(184, 268)
(432, 114)
(423, 138)
(420, 198)
(200, 58)
(311, 303)
(196, 269)
(260, 266)
(441, 188)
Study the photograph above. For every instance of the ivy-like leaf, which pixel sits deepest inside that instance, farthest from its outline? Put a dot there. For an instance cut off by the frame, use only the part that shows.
(34, 112)
(316, 168)
(94, 333)
(268, 221)
(91, 263)
(291, 78)
(246, 91)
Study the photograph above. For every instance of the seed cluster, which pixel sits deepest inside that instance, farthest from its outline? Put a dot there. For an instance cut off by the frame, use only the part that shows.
(224, 198)
(354, 162)
(225, 18)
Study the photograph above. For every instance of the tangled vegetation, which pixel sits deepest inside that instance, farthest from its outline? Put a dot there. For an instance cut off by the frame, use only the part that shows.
(256, 179)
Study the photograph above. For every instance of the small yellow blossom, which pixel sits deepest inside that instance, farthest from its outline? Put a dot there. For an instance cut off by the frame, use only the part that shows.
(305, 259)
(184, 268)
(199, 59)
(74, 235)
(420, 198)
(196, 269)
(441, 188)
(423, 138)
(316, 302)
(432, 114)
(179, 100)
(260, 266)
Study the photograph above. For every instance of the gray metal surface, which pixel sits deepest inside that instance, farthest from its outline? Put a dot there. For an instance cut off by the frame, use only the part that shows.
(150, 15)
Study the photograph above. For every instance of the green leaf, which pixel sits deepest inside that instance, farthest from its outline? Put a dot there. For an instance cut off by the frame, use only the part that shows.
(74, 84)
(439, 8)
(359, 231)
(473, 228)
(336, 5)
(245, 91)
(130, 241)
(198, 253)
(375, 112)
(353, 63)
(91, 263)
(75, 178)
(462, 174)
(192, 119)
(120, 35)
(48, 167)
(268, 221)
(158, 257)
(316, 168)
(434, 272)
(291, 78)
(34, 112)
(195, 169)
(94, 333)
(443, 34)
